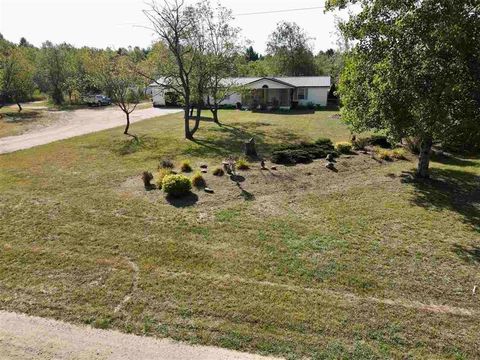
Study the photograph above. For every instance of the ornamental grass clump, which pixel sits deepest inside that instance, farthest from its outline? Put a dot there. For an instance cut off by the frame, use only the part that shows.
(198, 181)
(399, 154)
(147, 177)
(176, 185)
(390, 155)
(243, 164)
(185, 166)
(343, 147)
(218, 171)
(166, 164)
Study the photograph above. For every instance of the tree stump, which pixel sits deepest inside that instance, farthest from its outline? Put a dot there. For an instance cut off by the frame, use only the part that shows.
(250, 148)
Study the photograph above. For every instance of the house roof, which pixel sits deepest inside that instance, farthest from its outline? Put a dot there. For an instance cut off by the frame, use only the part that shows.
(294, 81)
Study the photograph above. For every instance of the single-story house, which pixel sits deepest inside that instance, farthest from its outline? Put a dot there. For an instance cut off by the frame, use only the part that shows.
(266, 92)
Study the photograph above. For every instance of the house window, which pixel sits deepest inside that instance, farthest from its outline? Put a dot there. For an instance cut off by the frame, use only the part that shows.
(302, 94)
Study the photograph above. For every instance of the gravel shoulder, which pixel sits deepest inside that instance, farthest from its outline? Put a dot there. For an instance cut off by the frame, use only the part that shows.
(25, 337)
(75, 123)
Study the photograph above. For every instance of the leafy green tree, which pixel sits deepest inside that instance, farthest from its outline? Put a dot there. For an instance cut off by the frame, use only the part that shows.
(414, 70)
(290, 46)
(263, 67)
(54, 68)
(16, 80)
(251, 55)
(329, 63)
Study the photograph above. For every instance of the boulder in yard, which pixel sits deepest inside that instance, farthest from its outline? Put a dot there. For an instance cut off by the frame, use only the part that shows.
(250, 148)
(330, 166)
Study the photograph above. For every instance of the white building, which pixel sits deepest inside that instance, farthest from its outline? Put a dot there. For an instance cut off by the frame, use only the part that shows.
(267, 92)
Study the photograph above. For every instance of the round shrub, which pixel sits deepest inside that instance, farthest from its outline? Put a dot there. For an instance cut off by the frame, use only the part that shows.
(343, 147)
(160, 175)
(176, 185)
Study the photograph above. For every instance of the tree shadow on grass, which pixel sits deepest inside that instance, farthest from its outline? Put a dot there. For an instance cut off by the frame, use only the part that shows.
(453, 160)
(468, 254)
(184, 201)
(20, 117)
(449, 189)
(229, 139)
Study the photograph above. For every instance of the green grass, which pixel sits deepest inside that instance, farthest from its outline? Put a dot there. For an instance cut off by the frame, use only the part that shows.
(348, 265)
(13, 122)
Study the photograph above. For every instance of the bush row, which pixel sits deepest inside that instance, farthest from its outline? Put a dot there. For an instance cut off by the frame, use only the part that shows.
(374, 140)
(303, 153)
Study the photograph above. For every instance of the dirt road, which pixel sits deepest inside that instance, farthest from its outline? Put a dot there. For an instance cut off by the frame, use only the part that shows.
(75, 123)
(24, 337)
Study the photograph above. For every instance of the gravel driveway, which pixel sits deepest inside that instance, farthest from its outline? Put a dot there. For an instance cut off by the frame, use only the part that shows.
(75, 123)
(25, 337)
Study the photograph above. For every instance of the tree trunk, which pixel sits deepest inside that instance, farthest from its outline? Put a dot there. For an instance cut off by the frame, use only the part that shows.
(186, 118)
(128, 124)
(424, 158)
(57, 96)
(128, 127)
(19, 107)
(197, 121)
(214, 111)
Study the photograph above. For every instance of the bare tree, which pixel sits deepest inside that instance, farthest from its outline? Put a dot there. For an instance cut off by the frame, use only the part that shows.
(124, 85)
(224, 45)
(172, 22)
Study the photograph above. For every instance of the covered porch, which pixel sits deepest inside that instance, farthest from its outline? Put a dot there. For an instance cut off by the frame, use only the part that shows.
(268, 94)
(267, 99)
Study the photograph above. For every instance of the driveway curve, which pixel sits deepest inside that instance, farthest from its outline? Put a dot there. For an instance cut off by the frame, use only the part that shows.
(75, 123)
(25, 337)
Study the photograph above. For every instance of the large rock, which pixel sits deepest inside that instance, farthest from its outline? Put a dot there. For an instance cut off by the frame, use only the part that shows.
(250, 148)
(330, 166)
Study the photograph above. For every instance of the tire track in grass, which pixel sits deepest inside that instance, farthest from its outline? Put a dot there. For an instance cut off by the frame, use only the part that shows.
(133, 288)
(409, 304)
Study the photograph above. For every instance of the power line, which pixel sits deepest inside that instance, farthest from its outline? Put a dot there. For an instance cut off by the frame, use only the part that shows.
(280, 11)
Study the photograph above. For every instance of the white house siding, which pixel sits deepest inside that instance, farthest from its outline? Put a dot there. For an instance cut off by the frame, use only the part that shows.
(232, 99)
(316, 95)
(266, 82)
(158, 96)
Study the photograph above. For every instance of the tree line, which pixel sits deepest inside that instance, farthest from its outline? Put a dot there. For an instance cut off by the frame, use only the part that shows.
(197, 48)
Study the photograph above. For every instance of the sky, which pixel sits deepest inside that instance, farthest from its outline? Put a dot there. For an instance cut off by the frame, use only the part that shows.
(118, 23)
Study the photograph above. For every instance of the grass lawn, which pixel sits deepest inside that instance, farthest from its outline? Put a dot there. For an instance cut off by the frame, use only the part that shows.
(13, 122)
(359, 264)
